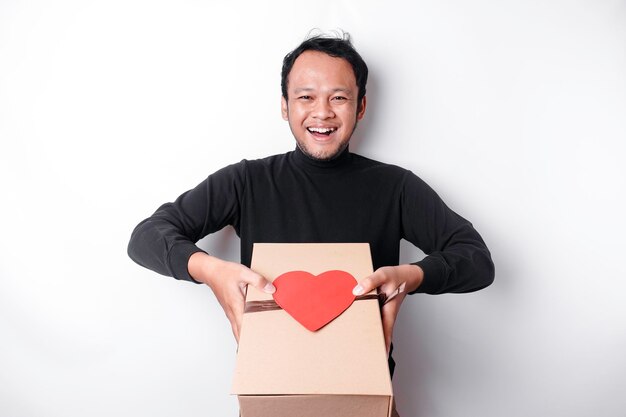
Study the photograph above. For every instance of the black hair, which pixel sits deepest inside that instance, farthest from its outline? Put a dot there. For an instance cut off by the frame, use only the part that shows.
(338, 47)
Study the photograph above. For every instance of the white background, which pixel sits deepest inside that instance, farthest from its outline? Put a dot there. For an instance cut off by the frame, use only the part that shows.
(513, 111)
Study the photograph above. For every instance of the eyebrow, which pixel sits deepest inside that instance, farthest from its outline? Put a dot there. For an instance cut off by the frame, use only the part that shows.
(334, 90)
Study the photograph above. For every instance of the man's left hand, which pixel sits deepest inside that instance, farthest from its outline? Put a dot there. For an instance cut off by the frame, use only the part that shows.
(395, 282)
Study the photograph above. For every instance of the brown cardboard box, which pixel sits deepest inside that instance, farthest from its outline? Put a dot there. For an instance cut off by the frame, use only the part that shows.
(285, 370)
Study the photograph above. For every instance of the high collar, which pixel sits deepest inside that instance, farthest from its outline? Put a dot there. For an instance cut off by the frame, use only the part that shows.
(340, 161)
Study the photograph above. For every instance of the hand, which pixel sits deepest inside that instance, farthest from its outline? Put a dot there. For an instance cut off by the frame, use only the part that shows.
(395, 282)
(229, 282)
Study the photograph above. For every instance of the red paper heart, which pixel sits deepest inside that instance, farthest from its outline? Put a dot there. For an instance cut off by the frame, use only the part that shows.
(314, 301)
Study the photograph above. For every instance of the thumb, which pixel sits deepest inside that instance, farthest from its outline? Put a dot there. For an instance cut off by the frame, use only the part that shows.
(369, 283)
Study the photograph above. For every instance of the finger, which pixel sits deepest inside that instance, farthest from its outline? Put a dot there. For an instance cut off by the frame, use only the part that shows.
(233, 303)
(236, 316)
(234, 324)
(389, 315)
(259, 282)
(388, 321)
(399, 290)
(368, 284)
(237, 328)
(244, 288)
(235, 332)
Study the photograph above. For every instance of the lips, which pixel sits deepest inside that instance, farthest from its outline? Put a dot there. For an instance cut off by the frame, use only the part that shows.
(322, 134)
(322, 130)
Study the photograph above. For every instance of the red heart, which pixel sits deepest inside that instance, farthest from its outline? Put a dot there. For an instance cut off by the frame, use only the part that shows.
(314, 301)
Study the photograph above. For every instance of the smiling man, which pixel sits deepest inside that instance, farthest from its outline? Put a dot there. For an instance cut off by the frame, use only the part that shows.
(319, 192)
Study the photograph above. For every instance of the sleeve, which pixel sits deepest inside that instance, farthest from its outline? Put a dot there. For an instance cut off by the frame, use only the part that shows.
(457, 260)
(165, 241)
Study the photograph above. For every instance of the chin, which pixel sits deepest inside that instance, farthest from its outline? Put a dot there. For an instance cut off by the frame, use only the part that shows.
(322, 155)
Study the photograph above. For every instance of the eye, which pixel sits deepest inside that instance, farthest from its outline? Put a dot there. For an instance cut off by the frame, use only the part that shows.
(304, 98)
(340, 98)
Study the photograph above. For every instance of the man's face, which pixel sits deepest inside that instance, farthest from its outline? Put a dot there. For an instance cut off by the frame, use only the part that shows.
(322, 105)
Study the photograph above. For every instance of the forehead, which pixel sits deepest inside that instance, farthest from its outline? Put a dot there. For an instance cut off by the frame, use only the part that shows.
(314, 69)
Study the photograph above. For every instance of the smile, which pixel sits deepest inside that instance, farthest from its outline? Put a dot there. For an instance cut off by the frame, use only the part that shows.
(321, 130)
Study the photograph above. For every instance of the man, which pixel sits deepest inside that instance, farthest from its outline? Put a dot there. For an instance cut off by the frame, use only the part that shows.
(320, 192)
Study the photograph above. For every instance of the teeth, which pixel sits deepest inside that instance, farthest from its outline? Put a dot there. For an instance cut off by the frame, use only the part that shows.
(322, 129)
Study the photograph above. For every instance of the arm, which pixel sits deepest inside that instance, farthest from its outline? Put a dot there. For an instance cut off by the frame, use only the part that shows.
(457, 258)
(165, 241)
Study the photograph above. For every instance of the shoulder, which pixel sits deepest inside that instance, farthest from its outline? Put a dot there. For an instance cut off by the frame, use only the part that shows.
(379, 167)
(401, 177)
(268, 160)
(267, 165)
(246, 165)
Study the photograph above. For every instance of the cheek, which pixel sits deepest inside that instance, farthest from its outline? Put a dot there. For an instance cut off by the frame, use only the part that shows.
(297, 114)
(349, 116)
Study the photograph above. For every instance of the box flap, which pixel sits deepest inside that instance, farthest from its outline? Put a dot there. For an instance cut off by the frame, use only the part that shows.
(277, 355)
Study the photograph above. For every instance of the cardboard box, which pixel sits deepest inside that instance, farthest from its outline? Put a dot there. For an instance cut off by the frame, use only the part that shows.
(285, 370)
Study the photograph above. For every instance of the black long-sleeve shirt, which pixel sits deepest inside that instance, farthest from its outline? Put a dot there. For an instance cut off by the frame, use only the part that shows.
(291, 198)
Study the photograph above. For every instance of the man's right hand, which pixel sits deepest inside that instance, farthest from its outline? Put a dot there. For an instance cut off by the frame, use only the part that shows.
(229, 282)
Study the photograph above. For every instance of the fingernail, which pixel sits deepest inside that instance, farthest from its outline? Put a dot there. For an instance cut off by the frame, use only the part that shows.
(358, 290)
(269, 288)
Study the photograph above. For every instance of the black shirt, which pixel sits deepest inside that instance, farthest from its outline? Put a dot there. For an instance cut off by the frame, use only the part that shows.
(291, 198)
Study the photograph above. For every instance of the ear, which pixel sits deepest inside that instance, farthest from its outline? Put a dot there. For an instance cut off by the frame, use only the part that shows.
(361, 112)
(284, 109)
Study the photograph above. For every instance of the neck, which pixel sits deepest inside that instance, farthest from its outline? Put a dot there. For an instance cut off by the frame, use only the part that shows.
(339, 160)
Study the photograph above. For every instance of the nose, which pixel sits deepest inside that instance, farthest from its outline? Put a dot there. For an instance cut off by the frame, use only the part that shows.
(323, 110)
